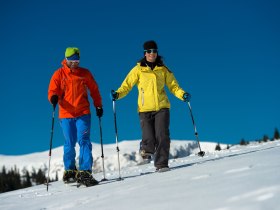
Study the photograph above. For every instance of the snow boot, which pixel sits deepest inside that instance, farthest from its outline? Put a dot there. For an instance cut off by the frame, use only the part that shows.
(146, 157)
(86, 178)
(162, 169)
(69, 176)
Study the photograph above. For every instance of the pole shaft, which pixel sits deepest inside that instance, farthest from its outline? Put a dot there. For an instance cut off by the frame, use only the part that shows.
(195, 130)
(101, 144)
(116, 132)
(50, 151)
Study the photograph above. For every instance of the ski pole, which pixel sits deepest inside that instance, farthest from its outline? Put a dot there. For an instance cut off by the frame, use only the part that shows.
(50, 151)
(116, 132)
(102, 154)
(201, 153)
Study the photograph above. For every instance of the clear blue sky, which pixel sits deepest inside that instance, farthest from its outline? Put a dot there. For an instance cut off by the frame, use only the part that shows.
(225, 53)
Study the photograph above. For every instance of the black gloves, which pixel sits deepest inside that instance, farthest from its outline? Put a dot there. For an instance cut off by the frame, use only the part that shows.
(54, 100)
(99, 111)
(187, 97)
(114, 95)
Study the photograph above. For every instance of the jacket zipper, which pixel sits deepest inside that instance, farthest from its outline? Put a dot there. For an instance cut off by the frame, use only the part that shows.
(142, 96)
(74, 92)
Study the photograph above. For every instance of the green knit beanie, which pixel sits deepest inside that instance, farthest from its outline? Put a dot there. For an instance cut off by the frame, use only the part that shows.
(71, 51)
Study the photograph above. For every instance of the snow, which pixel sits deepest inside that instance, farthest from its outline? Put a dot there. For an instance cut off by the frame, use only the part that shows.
(242, 177)
(129, 156)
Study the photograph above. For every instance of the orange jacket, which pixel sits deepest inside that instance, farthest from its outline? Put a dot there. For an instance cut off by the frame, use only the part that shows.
(71, 88)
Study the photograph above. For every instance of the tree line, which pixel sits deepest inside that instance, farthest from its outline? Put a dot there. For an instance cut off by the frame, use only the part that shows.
(265, 138)
(13, 180)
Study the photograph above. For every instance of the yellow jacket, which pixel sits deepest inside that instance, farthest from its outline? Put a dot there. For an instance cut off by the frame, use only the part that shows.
(150, 83)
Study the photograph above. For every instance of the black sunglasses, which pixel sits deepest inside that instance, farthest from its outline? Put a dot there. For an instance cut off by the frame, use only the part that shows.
(151, 51)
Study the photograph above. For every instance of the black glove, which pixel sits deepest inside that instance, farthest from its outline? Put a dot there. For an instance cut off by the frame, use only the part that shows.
(187, 97)
(114, 95)
(99, 111)
(54, 100)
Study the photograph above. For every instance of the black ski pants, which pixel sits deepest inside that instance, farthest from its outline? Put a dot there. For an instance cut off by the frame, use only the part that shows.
(156, 136)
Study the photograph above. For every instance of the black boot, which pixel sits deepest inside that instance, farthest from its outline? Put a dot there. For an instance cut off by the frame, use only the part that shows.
(86, 178)
(69, 176)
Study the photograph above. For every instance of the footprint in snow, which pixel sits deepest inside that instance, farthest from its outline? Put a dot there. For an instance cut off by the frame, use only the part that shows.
(204, 176)
(237, 170)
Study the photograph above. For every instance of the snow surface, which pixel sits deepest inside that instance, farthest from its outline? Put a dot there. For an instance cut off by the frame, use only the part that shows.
(242, 177)
(129, 156)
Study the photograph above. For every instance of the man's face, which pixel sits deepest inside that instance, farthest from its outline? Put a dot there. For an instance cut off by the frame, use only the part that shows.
(72, 64)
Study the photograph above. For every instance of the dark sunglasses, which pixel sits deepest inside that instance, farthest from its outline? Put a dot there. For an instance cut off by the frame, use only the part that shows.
(74, 61)
(151, 51)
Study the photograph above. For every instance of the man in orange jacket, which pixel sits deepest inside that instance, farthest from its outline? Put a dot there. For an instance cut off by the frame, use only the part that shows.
(69, 87)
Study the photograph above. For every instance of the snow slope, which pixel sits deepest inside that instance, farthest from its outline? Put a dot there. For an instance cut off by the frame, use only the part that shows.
(243, 177)
(129, 156)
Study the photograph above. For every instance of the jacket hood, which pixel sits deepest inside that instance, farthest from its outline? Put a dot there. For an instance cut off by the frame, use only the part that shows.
(63, 63)
(65, 67)
(158, 62)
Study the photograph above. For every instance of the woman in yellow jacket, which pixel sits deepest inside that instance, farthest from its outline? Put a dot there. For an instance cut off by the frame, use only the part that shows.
(151, 75)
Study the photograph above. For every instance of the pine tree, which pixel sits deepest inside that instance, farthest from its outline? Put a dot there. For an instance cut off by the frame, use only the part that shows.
(265, 138)
(56, 176)
(218, 147)
(3, 176)
(276, 134)
(27, 181)
(40, 177)
(14, 179)
(10, 180)
(243, 142)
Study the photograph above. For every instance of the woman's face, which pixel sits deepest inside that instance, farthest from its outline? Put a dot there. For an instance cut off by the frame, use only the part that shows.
(151, 55)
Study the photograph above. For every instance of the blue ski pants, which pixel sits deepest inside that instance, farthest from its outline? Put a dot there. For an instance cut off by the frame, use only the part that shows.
(77, 130)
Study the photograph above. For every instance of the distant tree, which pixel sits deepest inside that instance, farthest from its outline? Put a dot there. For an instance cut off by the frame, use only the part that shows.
(27, 181)
(40, 177)
(243, 142)
(13, 180)
(3, 180)
(4, 170)
(265, 138)
(56, 176)
(218, 147)
(276, 134)
(10, 180)
(33, 175)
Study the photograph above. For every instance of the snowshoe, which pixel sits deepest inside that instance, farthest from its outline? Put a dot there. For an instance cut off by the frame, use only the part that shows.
(162, 169)
(69, 176)
(145, 160)
(86, 178)
(145, 157)
(145, 154)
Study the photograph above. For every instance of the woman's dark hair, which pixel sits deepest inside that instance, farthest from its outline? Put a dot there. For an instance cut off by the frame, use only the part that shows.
(158, 62)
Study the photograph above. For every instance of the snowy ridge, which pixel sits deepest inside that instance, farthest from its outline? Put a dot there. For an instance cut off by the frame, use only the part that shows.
(129, 156)
(239, 178)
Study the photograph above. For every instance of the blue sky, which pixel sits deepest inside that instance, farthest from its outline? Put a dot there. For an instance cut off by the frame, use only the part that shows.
(225, 53)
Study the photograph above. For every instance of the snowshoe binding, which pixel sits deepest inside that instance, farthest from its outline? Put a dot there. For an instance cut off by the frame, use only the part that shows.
(146, 157)
(85, 178)
(69, 176)
(162, 169)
